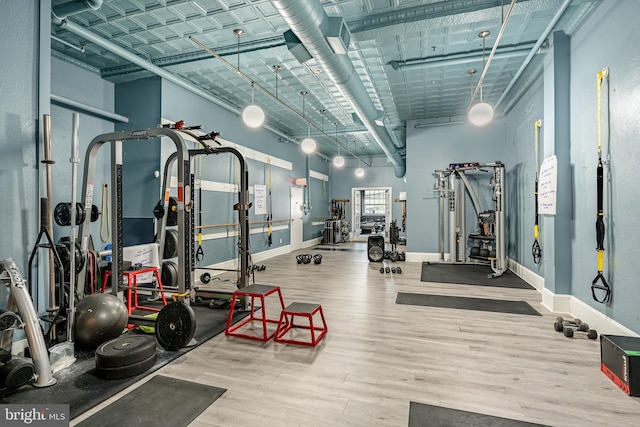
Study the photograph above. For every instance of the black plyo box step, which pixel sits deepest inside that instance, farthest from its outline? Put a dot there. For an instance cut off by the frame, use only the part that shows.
(620, 361)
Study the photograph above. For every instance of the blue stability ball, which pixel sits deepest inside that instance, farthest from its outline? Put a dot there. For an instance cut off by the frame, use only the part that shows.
(99, 318)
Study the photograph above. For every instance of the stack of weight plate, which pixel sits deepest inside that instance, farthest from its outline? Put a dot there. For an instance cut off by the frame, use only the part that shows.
(125, 356)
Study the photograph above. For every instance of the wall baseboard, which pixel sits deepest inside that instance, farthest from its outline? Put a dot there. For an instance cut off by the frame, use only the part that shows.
(424, 257)
(569, 304)
(258, 257)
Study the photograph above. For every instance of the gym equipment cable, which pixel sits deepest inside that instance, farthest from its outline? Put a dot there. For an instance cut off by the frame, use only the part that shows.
(535, 248)
(599, 282)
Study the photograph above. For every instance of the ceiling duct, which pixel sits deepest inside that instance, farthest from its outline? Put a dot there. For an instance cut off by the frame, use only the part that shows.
(308, 20)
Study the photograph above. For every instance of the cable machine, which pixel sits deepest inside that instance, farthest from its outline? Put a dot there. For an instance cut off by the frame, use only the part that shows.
(453, 185)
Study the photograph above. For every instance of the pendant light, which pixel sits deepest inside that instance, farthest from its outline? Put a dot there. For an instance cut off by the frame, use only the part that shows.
(308, 144)
(252, 115)
(338, 161)
(359, 171)
(481, 113)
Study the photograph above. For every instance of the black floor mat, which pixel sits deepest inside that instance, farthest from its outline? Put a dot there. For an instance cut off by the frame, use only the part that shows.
(469, 274)
(81, 389)
(421, 414)
(464, 303)
(161, 401)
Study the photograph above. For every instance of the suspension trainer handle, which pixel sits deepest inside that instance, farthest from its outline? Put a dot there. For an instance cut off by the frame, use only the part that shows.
(602, 286)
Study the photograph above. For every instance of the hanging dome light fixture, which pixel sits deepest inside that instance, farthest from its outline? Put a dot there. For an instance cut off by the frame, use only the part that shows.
(481, 113)
(308, 144)
(338, 161)
(253, 115)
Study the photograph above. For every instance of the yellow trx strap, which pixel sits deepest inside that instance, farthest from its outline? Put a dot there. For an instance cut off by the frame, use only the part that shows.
(535, 249)
(599, 283)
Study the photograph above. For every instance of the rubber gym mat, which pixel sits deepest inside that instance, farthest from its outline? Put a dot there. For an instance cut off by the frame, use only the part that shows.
(469, 274)
(421, 414)
(465, 303)
(81, 389)
(161, 401)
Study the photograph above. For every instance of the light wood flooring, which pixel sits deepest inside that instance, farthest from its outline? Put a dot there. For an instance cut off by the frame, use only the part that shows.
(378, 356)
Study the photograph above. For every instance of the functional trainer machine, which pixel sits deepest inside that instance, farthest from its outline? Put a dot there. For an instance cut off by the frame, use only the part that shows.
(454, 185)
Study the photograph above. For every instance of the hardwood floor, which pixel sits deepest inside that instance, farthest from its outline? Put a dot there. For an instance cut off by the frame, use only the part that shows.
(378, 356)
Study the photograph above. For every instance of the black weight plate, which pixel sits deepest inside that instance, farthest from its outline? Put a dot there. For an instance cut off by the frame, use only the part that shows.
(81, 213)
(205, 278)
(5, 355)
(172, 216)
(17, 372)
(7, 319)
(170, 244)
(95, 213)
(127, 370)
(175, 325)
(63, 248)
(169, 273)
(125, 350)
(62, 214)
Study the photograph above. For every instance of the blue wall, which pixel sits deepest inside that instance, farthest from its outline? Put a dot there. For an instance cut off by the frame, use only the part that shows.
(178, 104)
(607, 39)
(19, 133)
(432, 148)
(83, 86)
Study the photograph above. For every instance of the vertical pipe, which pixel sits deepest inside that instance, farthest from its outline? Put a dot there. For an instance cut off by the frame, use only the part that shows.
(46, 132)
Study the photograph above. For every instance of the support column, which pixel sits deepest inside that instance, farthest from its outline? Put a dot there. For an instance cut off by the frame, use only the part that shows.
(556, 229)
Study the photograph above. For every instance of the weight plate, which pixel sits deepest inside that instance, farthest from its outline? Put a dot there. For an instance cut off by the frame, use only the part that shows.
(125, 350)
(5, 355)
(62, 214)
(175, 325)
(7, 319)
(127, 370)
(17, 372)
(206, 277)
(172, 216)
(170, 244)
(63, 248)
(95, 213)
(169, 273)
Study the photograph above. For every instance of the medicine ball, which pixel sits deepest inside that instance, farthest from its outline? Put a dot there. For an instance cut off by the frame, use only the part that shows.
(375, 248)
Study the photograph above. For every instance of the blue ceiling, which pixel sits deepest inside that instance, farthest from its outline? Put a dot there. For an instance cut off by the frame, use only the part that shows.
(412, 56)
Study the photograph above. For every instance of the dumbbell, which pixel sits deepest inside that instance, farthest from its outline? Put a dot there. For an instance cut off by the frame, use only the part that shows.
(317, 259)
(567, 328)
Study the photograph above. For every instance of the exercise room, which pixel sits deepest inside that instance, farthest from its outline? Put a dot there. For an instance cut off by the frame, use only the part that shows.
(319, 213)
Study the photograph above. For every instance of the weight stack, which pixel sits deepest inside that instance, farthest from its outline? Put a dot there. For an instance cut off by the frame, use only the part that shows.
(375, 248)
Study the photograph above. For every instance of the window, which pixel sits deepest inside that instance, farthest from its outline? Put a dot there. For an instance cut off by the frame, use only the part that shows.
(374, 202)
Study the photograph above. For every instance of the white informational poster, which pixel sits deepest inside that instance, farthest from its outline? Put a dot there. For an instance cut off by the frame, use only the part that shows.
(547, 186)
(260, 199)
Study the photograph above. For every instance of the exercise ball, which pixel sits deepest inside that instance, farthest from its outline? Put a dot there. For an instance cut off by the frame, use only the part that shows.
(99, 318)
